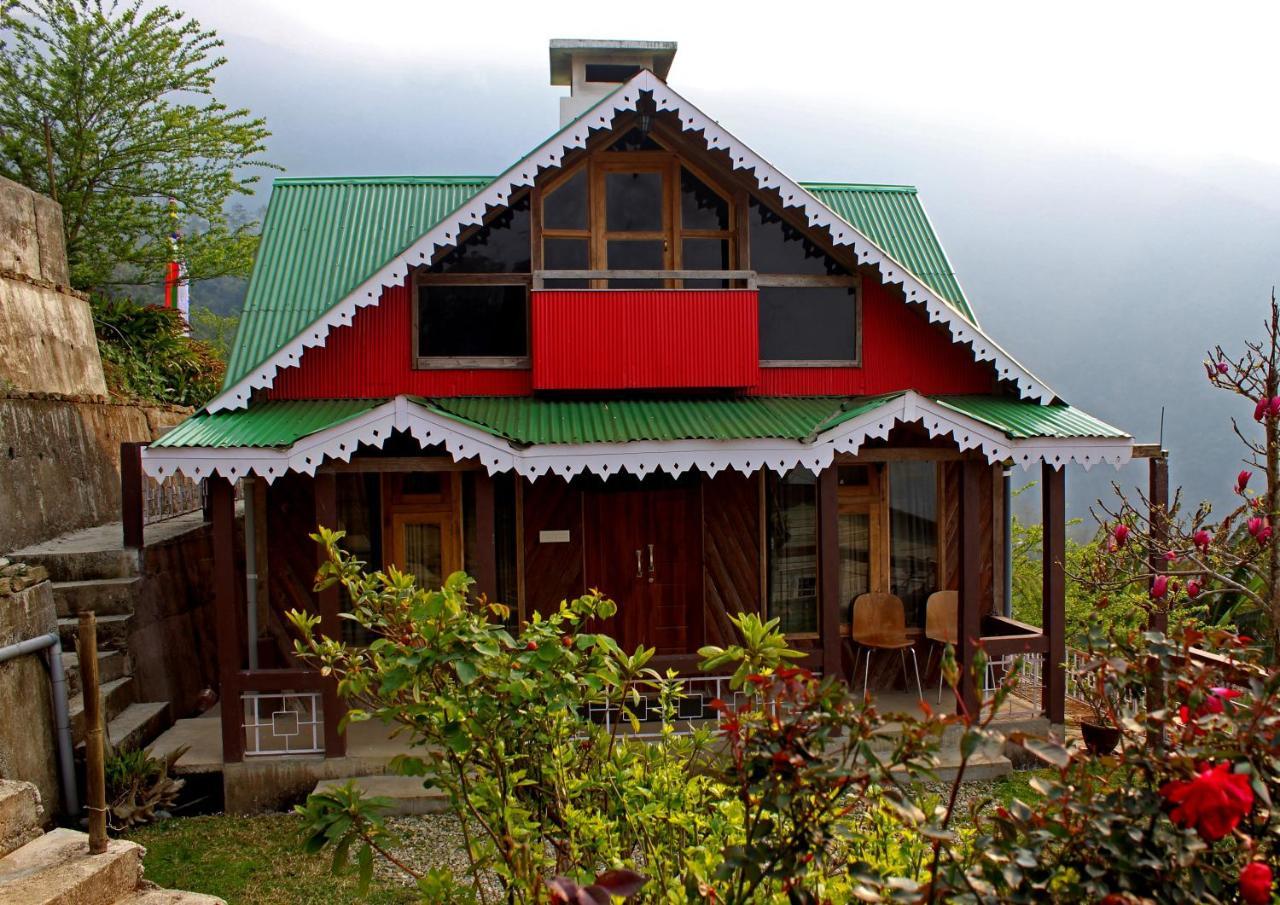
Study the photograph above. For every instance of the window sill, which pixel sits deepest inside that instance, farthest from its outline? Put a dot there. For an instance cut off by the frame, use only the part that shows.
(473, 363)
(810, 363)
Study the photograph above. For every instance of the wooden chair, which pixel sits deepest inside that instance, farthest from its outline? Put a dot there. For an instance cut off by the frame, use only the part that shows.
(880, 623)
(941, 625)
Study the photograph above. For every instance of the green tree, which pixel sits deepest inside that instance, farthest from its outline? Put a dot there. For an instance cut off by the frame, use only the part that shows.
(216, 330)
(111, 111)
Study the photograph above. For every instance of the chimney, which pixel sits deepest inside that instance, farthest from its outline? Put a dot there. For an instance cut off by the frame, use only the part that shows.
(593, 69)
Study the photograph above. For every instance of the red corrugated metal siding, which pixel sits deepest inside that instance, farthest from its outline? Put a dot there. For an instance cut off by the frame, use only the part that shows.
(900, 351)
(372, 358)
(644, 339)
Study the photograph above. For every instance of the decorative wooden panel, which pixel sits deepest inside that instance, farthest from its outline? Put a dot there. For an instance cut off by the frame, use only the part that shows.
(552, 571)
(731, 550)
(949, 531)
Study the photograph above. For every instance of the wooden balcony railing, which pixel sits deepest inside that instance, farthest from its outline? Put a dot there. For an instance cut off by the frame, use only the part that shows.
(747, 278)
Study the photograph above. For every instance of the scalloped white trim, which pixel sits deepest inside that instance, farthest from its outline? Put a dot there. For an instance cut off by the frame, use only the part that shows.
(642, 458)
(550, 154)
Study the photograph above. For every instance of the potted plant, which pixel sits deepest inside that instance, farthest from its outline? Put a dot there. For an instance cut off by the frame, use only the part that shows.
(1100, 732)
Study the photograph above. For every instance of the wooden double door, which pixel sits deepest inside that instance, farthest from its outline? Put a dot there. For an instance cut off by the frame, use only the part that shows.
(644, 550)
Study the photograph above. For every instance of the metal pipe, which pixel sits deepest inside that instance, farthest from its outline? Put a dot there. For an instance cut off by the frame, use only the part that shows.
(250, 572)
(1008, 543)
(51, 645)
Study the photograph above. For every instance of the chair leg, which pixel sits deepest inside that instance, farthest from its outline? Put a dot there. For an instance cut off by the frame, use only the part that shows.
(906, 679)
(857, 655)
(866, 672)
(915, 663)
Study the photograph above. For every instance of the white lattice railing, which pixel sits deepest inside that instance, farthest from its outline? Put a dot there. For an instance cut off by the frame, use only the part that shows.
(289, 722)
(175, 495)
(1028, 692)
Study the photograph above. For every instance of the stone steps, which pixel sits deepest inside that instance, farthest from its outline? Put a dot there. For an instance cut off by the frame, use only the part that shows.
(112, 665)
(115, 695)
(103, 596)
(407, 793)
(20, 815)
(139, 724)
(169, 897)
(70, 563)
(113, 632)
(57, 869)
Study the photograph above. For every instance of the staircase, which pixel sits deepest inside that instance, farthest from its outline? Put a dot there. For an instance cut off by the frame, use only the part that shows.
(92, 573)
(56, 868)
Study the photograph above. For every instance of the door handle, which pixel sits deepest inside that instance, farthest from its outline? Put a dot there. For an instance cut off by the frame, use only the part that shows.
(639, 568)
(651, 564)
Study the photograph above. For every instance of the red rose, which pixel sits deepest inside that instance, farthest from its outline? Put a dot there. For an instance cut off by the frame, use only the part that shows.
(1214, 802)
(1255, 883)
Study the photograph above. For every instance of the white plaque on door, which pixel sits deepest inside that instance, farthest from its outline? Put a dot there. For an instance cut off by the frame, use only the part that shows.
(553, 537)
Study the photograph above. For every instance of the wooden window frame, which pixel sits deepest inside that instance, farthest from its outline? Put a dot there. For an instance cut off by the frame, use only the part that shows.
(469, 362)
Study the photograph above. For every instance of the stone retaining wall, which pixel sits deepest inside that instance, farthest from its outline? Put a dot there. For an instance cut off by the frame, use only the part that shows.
(27, 749)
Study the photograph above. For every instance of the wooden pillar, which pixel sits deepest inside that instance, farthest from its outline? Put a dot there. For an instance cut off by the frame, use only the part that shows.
(1053, 599)
(131, 504)
(1158, 498)
(829, 569)
(326, 494)
(227, 604)
(970, 628)
(485, 568)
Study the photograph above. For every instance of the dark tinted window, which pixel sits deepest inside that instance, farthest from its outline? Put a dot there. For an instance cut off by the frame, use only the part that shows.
(700, 207)
(609, 72)
(705, 254)
(633, 201)
(808, 324)
(565, 206)
(500, 247)
(793, 550)
(913, 534)
(566, 254)
(778, 247)
(642, 254)
(635, 140)
(472, 321)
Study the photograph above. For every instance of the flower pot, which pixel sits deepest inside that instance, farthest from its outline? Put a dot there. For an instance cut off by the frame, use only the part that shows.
(1100, 740)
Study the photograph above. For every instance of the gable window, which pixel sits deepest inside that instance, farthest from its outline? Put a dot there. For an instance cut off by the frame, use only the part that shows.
(809, 307)
(471, 306)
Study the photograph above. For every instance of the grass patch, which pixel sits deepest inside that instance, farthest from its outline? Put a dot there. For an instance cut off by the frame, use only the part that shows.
(1018, 785)
(250, 861)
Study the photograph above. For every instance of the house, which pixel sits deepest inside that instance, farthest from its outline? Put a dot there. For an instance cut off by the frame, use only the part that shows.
(642, 359)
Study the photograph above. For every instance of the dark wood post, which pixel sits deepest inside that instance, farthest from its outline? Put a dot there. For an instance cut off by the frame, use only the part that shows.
(970, 628)
(95, 779)
(326, 493)
(222, 506)
(485, 568)
(1158, 498)
(829, 569)
(1053, 598)
(131, 505)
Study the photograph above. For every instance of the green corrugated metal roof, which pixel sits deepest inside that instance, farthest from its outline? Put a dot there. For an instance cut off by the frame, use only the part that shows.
(1022, 420)
(265, 424)
(322, 237)
(535, 421)
(893, 218)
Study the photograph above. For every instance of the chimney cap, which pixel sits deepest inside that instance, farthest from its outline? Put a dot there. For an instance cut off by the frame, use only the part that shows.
(563, 50)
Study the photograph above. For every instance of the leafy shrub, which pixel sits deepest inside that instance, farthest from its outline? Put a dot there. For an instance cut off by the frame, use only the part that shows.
(147, 356)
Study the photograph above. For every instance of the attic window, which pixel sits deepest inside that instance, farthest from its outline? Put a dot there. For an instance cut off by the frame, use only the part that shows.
(610, 72)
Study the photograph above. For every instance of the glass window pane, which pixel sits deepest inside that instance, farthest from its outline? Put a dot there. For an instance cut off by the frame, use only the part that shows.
(500, 247)
(635, 140)
(913, 534)
(472, 321)
(705, 254)
(633, 202)
(808, 324)
(424, 553)
(793, 550)
(360, 515)
(855, 560)
(636, 254)
(700, 206)
(778, 247)
(565, 206)
(566, 254)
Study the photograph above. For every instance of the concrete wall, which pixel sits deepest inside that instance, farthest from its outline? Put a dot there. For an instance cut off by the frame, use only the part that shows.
(27, 750)
(60, 462)
(46, 329)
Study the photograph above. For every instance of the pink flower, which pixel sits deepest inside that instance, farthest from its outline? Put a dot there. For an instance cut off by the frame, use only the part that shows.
(1255, 525)
(1255, 883)
(1242, 480)
(1273, 408)
(1223, 367)
(1264, 535)
(1170, 556)
(1202, 539)
(1121, 534)
(1193, 588)
(1159, 586)
(1260, 410)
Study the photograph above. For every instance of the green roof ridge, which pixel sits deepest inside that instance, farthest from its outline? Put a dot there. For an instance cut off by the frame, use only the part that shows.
(860, 187)
(383, 180)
